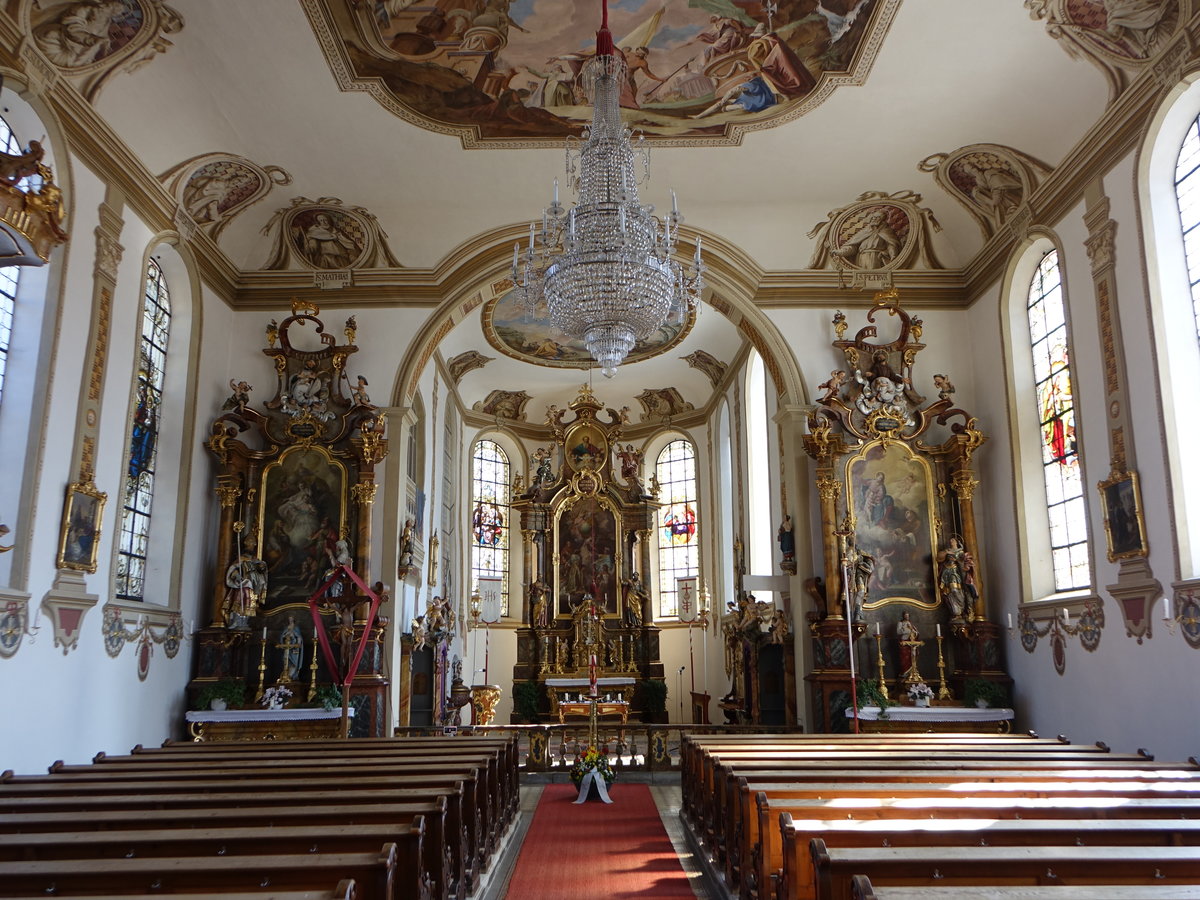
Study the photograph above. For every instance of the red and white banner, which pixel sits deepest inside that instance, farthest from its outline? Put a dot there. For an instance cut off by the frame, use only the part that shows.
(687, 598)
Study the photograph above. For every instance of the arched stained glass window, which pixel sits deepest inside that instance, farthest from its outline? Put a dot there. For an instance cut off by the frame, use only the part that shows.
(490, 478)
(143, 440)
(1187, 190)
(678, 539)
(9, 275)
(1049, 340)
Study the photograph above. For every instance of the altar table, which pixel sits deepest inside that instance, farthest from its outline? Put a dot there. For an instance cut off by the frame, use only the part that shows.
(939, 719)
(264, 724)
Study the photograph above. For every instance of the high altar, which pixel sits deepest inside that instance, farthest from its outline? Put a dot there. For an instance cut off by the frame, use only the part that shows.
(586, 538)
(903, 580)
(296, 480)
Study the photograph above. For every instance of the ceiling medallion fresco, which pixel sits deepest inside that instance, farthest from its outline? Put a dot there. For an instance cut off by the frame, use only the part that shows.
(531, 338)
(506, 72)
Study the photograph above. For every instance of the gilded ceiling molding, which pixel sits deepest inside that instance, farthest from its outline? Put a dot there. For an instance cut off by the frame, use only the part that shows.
(467, 361)
(504, 405)
(214, 187)
(875, 235)
(723, 75)
(328, 239)
(1117, 36)
(991, 181)
(662, 403)
(712, 367)
(89, 41)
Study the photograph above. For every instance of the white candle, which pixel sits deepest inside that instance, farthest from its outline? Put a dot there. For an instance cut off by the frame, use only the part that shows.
(1010, 621)
(674, 205)
(556, 192)
(876, 629)
(530, 237)
(516, 256)
(1166, 608)
(939, 629)
(264, 632)
(1066, 614)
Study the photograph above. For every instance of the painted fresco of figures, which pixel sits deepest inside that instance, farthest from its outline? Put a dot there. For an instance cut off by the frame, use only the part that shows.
(301, 521)
(587, 552)
(871, 246)
(216, 187)
(80, 34)
(328, 238)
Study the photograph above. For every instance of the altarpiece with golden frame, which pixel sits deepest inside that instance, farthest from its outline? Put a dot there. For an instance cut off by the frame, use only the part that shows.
(586, 539)
(896, 487)
(296, 480)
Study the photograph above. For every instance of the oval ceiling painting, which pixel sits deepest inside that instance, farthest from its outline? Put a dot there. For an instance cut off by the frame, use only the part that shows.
(507, 72)
(529, 336)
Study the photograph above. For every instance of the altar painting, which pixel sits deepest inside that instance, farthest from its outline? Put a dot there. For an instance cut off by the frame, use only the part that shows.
(587, 448)
(890, 489)
(302, 518)
(587, 552)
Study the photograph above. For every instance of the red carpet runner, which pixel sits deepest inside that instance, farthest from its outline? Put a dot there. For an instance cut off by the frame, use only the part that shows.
(597, 850)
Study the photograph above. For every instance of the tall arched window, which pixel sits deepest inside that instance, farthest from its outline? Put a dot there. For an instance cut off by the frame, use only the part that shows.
(678, 520)
(143, 439)
(9, 275)
(490, 479)
(1187, 193)
(1049, 342)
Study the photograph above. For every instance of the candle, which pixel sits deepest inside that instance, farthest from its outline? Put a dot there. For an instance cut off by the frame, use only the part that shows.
(1066, 614)
(1166, 608)
(876, 629)
(1010, 621)
(530, 237)
(264, 632)
(556, 192)
(674, 205)
(939, 629)
(516, 256)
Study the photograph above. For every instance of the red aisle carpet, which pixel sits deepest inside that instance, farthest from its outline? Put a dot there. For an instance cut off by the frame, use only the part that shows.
(597, 850)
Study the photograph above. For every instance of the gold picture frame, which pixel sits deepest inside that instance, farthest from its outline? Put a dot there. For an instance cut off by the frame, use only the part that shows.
(1124, 524)
(83, 514)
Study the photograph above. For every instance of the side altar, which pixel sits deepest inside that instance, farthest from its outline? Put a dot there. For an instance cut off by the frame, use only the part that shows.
(902, 596)
(295, 477)
(586, 534)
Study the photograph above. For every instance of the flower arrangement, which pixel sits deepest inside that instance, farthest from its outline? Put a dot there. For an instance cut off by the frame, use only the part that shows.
(592, 759)
(920, 691)
(275, 697)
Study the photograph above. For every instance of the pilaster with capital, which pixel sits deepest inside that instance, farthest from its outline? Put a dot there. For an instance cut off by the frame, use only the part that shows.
(363, 494)
(228, 491)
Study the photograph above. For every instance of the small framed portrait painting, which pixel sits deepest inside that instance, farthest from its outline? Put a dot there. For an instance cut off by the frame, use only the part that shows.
(82, 516)
(1123, 520)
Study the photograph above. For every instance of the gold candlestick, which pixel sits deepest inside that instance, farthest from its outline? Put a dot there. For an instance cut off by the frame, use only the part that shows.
(879, 664)
(943, 691)
(262, 668)
(312, 669)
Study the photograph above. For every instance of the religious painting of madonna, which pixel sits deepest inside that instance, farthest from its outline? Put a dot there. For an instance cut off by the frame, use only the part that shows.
(302, 517)
(891, 489)
(81, 527)
(587, 554)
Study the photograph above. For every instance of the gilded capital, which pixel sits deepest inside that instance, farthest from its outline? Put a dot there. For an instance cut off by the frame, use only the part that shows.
(364, 492)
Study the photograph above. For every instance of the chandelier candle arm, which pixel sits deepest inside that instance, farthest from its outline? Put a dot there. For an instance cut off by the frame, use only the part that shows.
(605, 269)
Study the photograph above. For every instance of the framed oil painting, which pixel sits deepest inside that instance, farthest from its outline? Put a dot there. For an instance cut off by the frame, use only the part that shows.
(82, 514)
(587, 447)
(302, 516)
(891, 492)
(1123, 521)
(587, 546)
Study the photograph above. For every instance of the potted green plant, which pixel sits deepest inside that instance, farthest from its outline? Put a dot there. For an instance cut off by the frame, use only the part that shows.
(221, 695)
(526, 696)
(984, 692)
(870, 694)
(328, 696)
(651, 698)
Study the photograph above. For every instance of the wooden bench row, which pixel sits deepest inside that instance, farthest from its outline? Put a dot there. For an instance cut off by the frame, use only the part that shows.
(405, 818)
(759, 807)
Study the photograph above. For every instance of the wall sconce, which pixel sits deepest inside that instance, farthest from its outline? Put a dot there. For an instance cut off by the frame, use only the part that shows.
(1187, 619)
(1057, 628)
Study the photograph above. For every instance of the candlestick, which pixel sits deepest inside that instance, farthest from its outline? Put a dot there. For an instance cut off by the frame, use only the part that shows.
(312, 673)
(262, 666)
(879, 663)
(943, 691)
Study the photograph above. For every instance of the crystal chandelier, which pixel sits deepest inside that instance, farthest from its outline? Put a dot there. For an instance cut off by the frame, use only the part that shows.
(605, 268)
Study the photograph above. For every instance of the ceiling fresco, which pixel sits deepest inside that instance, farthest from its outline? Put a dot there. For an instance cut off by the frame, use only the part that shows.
(528, 336)
(506, 72)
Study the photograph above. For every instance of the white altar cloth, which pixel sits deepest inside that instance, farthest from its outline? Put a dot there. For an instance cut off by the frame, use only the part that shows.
(933, 714)
(585, 682)
(263, 715)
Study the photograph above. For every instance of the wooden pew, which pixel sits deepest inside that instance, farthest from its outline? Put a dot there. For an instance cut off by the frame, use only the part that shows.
(345, 890)
(767, 857)
(864, 890)
(413, 878)
(1025, 865)
(373, 872)
(798, 877)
